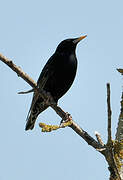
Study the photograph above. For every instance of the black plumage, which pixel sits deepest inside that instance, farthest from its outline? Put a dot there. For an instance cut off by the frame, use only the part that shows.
(56, 77)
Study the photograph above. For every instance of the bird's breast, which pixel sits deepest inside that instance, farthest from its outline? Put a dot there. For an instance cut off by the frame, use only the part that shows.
(68, 63)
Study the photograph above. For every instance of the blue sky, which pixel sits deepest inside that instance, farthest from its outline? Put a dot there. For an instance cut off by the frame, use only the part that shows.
(29, 34)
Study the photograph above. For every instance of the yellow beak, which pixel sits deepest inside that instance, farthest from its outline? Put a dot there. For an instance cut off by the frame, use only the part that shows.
(82, 37)
(79, 39)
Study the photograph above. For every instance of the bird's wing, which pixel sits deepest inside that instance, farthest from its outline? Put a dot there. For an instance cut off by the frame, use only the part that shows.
(36, 108)
(41, 83)
(47, 72)
(37, 100)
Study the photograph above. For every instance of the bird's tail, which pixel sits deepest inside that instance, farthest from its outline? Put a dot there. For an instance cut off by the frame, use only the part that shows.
(33, 116)
(36, 108)
(31, 122)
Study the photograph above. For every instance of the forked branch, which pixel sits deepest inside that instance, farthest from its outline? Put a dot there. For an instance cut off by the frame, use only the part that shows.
(106, 150)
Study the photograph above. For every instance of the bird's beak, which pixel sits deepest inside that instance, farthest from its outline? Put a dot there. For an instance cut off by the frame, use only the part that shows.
(75, 41)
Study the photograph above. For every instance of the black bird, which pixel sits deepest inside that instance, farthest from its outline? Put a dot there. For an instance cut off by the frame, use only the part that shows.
(56, 77)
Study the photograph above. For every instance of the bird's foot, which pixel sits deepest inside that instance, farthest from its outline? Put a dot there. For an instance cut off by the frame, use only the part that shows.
(66, 117)
(67, 121)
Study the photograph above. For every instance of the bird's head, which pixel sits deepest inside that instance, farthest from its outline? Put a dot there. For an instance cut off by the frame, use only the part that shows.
(69, 45)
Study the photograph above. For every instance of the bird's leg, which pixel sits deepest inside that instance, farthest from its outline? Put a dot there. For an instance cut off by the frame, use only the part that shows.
(66, 119)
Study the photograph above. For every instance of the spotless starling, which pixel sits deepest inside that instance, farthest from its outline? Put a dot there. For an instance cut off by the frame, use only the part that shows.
(56, 77)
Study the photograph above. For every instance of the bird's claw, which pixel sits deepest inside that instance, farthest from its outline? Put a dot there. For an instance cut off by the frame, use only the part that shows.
(66, 119)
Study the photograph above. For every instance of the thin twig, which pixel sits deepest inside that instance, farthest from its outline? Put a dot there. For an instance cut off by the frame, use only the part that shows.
(99, 139)
(109, 113)
(26, 92)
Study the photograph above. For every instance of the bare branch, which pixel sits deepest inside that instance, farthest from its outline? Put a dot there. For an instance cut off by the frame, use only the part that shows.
(18, 70)
(86, 136)
(58, 110)
(23, 75)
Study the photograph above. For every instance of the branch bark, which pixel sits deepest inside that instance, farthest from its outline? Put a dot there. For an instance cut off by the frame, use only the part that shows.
(119, 137)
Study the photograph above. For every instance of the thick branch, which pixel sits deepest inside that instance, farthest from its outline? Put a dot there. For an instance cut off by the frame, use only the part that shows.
(119, 137)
